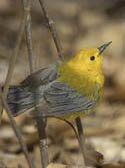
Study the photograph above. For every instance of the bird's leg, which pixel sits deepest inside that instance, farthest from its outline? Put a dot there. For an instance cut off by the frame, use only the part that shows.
(81, 138)
(41, 126)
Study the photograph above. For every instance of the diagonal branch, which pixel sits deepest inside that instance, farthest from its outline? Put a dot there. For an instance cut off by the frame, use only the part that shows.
(13, 58)
(52, 30)
(5, 91)
(16, 130)
(12, 63)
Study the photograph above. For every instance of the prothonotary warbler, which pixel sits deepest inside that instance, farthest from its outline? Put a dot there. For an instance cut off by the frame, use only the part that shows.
(63, 90)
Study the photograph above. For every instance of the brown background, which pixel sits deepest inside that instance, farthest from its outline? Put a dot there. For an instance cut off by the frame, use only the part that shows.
(79, 24)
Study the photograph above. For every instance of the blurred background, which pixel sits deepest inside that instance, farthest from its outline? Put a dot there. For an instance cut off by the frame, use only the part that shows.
(79, 24)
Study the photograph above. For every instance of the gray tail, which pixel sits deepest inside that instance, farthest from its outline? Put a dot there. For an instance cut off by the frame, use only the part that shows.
(19, 100)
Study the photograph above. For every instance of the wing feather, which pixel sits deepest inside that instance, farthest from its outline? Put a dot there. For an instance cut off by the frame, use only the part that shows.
(62, 100)
(41, 77)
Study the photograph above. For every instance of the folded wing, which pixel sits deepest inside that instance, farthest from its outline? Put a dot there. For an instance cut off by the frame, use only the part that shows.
(59, 100)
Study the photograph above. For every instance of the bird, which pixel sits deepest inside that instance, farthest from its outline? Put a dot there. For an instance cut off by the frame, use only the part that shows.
(65, 89)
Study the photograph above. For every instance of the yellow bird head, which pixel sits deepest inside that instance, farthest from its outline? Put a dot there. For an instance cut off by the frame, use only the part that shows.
(84, 71)
(89, 59)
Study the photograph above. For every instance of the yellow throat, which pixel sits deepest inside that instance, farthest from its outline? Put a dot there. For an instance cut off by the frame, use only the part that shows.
(84, 72)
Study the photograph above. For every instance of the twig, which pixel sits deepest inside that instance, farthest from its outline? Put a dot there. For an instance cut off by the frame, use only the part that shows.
(81, 137)
(28, 30)
(41, 126)
(16, 130)
(52, 29)
(72, 126)
(13, 58)
(5, 90)
(12, 63)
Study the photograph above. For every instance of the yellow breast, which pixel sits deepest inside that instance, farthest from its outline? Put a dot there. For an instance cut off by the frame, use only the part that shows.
(83, 81)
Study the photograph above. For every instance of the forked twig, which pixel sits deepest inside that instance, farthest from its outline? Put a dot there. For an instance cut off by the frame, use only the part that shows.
(41, 124)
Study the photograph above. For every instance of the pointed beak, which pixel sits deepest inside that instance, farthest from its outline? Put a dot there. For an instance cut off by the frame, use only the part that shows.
(103, 47)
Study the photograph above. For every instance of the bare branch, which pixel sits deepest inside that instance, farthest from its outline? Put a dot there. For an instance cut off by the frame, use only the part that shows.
(41, 126)
(12, 62)
(28, 30)
(5, 91)
(40, 121)
(13, 58)
(16, 130)
(81, 138)
(53, 31)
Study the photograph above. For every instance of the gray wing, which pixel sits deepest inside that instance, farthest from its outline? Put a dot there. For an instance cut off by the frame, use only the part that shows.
(41, 77)
(60, 100)
(21, 98)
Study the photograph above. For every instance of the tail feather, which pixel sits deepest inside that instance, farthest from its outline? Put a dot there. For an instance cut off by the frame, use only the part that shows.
(19, 100)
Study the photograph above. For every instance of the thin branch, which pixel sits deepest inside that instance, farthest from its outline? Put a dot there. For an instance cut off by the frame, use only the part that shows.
(16, 130)
(52, 30)
(81, 138)
(79, 135)
(12, 63)
(41, 126)
(28, 29)
(13, 58)
(5, 91)
(72, 126)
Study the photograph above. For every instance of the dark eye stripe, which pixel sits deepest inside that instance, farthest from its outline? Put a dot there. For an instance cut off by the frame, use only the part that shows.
(92, 58)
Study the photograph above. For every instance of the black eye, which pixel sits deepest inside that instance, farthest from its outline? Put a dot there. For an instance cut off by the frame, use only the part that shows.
(92, 58)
